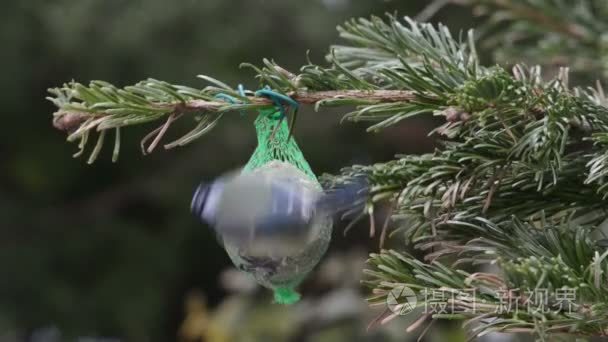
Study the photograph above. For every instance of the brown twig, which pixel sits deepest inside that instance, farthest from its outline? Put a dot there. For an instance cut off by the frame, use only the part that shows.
(69, 121)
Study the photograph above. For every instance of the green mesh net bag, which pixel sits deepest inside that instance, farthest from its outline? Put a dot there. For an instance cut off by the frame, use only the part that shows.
(278, 156)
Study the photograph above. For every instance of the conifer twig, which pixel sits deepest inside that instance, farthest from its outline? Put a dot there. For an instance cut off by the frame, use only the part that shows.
(67, 120)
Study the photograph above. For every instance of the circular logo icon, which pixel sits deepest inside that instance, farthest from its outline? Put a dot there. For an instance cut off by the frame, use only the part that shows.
(401, 300)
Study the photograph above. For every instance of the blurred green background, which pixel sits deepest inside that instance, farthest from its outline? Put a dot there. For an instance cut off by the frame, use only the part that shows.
(111, 250)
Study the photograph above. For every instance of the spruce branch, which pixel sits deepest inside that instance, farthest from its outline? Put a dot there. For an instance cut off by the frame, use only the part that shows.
(69, 119)
(102, 106)
(546, 32)
(517, 146)
(481, 299)
(520, 179)
(391, 95)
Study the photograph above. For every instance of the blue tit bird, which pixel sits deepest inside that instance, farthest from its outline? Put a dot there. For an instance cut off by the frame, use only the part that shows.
(253, 209)
(274, 222)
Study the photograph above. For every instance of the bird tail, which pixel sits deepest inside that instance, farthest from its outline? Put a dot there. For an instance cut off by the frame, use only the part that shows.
(347, 197)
